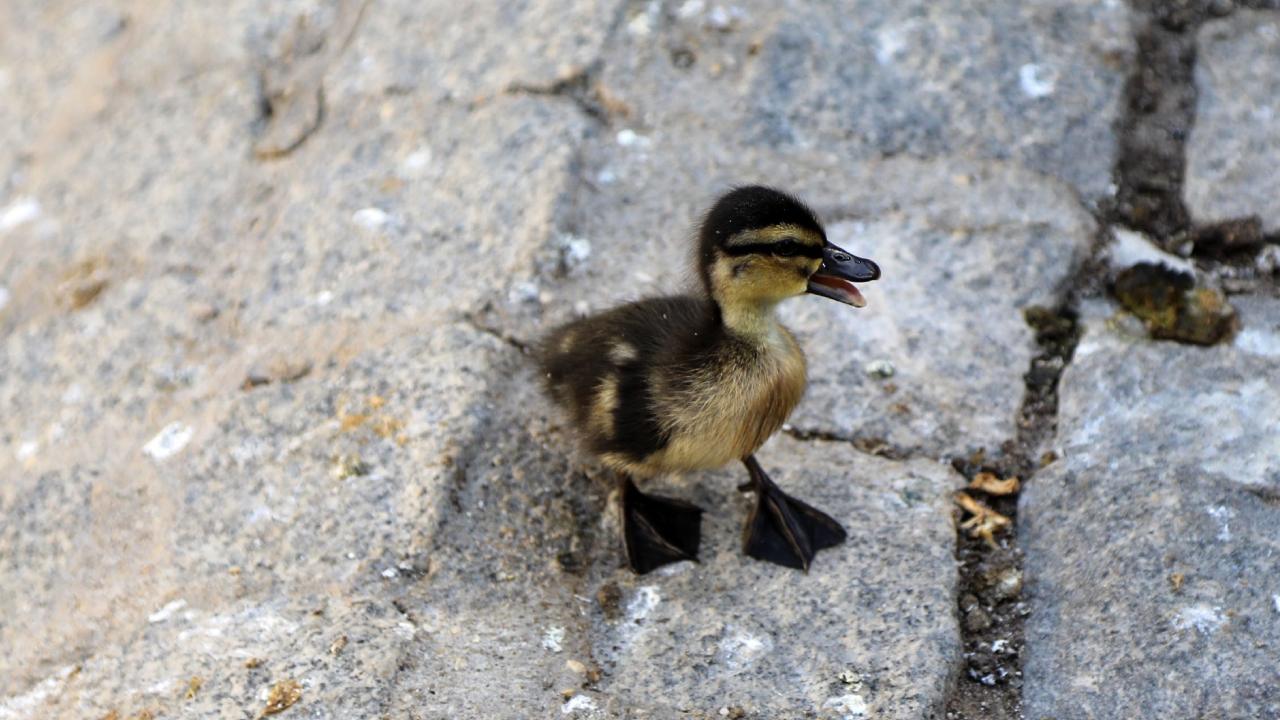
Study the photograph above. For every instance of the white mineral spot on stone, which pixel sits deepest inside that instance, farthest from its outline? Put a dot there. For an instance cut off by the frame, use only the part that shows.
(999, 645)
(1132, 248)
(27, 704)
(691, 9)
(167, 611)
(719, 18)
(1275, 602)
(73, 394)
(19, 212)
(849, 706)
(879, 368)
(643, 603)
(627, 137)
(324, 297)
(741, 648)
(552, 637)
(640, 25)
(642, 276)
(406, 630)
(27, 450)
(1036, 81)
(4, 296)
(606, 176)
(370, 218)
(575, 251)
(576, 703)
(1268, 260)
(390, 573)
(1257, 341)
(1203, 618)
(168, 441)
(889, 42)
(1223, 515)
(525, 291)
(415, 162)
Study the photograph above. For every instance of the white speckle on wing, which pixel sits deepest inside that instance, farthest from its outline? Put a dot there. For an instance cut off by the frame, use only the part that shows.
(1223, 515)
(168, 441)
(371, 218)
(849, 706)
(167, 611)
(19, 212)
(576, 703)
(1206, 620)
(1036, 81)
(552, 637)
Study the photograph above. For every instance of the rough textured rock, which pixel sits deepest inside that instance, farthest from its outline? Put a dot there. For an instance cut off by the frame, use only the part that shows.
(1037, 82)
(1150, 546)
(1235, 143)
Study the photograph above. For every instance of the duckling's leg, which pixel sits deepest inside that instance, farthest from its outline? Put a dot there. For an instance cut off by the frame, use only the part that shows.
(657, 530)
(782, 529)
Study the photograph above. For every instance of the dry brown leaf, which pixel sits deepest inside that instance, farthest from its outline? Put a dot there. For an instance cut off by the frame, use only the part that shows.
(991, 483)
(985, 522)
(283, 695)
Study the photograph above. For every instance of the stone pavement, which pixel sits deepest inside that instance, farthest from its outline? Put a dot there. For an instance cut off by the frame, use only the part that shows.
(269, 439)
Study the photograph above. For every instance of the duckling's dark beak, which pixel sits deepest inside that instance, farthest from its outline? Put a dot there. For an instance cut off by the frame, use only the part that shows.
(837, 274)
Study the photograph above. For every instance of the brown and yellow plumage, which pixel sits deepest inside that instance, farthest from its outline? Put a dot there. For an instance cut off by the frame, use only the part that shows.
(697, 381)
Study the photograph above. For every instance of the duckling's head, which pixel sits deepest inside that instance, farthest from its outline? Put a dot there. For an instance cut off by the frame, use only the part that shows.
(758, 246)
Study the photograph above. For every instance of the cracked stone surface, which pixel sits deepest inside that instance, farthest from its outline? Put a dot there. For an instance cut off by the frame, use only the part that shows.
(1235, 143)
(266, 269)
(1150, 546)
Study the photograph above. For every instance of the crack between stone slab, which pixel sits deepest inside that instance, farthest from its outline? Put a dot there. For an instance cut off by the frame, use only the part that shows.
(1154, 127)
(989, 610)
(875, 446)
(525, 347)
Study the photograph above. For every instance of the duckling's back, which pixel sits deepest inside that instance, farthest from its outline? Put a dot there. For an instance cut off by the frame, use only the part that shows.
(661, 385)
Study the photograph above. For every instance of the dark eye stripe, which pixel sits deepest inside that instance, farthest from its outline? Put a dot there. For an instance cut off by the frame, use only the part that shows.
(801, 250)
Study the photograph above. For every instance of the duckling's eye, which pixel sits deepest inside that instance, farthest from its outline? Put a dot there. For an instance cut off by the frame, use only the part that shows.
(786, 248)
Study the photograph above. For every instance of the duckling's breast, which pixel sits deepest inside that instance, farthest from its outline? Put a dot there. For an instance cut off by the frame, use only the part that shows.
(725, 410)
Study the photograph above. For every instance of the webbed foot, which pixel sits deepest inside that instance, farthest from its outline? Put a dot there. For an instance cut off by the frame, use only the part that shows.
(658, 530)
(782, 529)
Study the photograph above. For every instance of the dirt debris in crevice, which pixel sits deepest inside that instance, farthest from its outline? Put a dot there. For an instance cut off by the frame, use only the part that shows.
(990, 610)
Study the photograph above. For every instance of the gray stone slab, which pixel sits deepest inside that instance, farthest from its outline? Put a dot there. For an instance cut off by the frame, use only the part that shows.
(1151, 546)
(1037, 82)
(868, 632)
(1234, 146)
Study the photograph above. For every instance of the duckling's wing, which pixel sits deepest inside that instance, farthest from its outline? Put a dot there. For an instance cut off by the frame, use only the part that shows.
(602, 369)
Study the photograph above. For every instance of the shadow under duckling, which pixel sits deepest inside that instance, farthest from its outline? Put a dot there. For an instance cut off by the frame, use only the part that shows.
(693, 382)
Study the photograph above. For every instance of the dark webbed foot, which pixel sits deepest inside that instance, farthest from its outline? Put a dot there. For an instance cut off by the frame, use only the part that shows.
(657, 530)
(782, 529)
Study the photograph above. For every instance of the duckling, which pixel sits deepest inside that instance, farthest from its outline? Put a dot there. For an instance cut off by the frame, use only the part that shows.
(696, 381)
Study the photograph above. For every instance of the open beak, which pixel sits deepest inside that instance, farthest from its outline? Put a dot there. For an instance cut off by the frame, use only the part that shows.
(837, 274)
